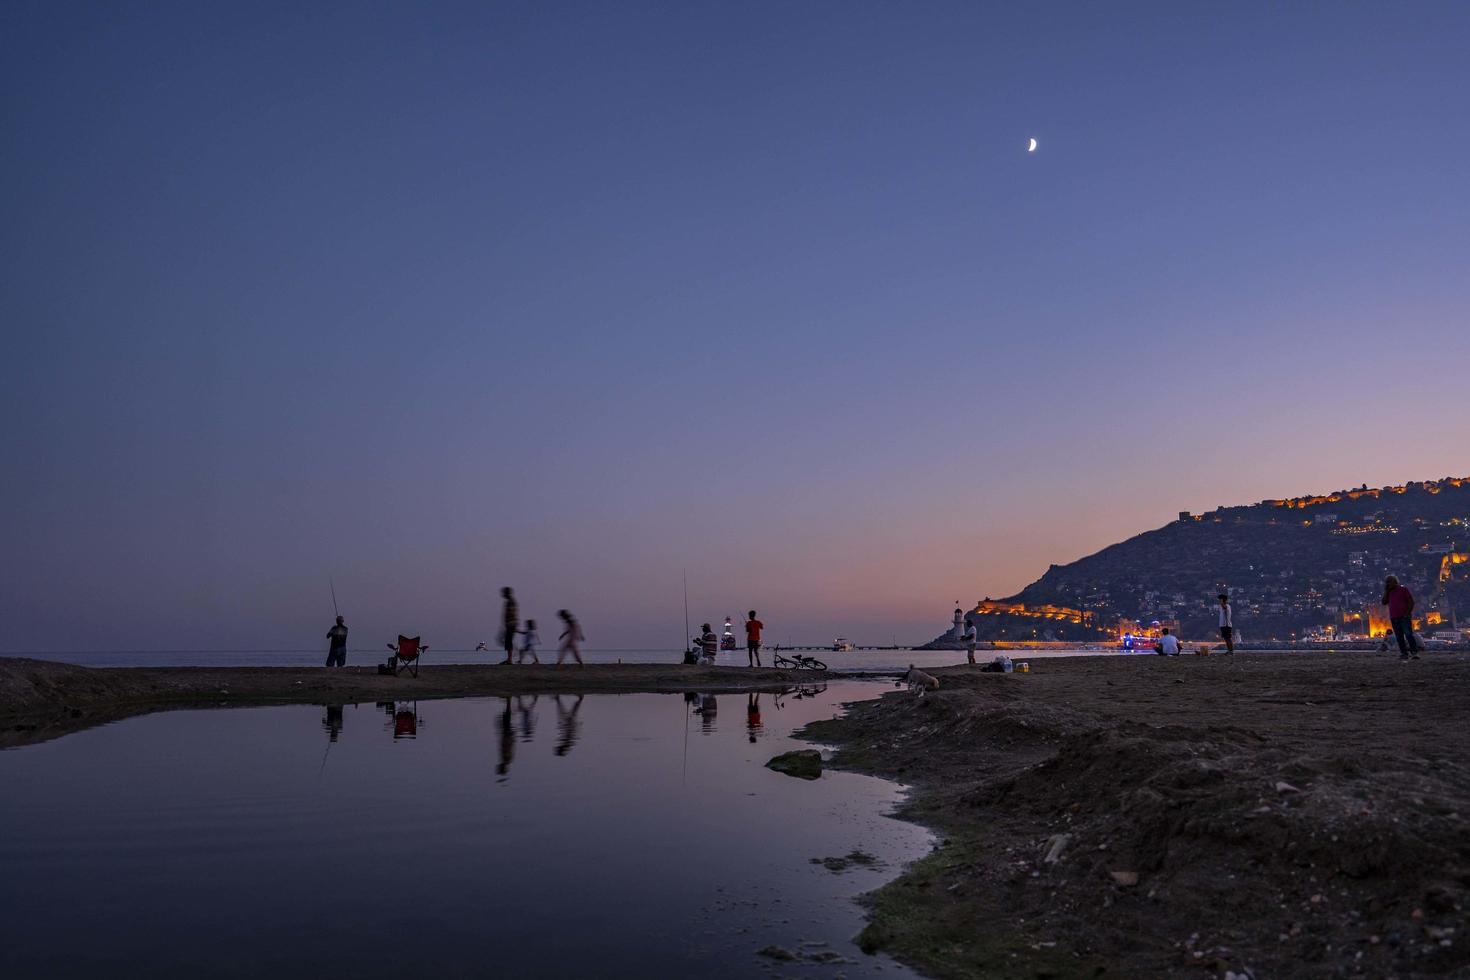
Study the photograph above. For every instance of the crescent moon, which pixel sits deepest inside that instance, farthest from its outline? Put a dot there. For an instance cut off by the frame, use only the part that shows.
(1032, 147)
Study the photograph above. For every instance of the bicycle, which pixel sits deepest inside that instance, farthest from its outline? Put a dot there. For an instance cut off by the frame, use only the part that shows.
(797, 662)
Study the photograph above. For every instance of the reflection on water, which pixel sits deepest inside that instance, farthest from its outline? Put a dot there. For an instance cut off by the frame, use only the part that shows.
(606, 835)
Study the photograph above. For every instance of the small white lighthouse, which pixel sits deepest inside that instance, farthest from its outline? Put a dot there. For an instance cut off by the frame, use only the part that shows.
(957, 631)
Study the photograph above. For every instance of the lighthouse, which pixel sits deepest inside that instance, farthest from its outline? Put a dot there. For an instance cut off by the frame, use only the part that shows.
(957, 631)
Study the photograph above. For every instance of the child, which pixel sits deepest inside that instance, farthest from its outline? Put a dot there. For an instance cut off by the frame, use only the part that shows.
(570, 638)
(529, 642)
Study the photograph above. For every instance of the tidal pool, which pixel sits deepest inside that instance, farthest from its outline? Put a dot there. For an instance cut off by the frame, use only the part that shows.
(606, 835)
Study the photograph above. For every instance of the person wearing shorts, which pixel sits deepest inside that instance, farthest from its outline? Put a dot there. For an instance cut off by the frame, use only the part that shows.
(1227, 626)
(753, 628)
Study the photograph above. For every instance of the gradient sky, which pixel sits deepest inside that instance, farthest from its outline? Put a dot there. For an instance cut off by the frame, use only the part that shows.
(433, 298)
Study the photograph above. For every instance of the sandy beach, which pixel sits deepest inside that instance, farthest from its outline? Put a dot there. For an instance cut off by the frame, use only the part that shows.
(42, 699)
(1294, 815)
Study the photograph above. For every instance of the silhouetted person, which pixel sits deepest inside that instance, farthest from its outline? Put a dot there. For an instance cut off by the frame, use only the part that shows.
(507, 743)
(1227, 623)
(529, 642)
(566, 724)
(510, 622)
(753, 715)
(337, 650)
(1400, 603)
(753, 629)
(571, 637)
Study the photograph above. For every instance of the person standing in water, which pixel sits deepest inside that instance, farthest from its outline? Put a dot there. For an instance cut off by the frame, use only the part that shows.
(337, 651)
(571, 638)
(510, 623)
(529, 642)
(1227, 623)
(1400, 603)
(753, 629)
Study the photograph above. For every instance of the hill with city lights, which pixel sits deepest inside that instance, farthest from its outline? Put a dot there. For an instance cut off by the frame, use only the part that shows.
(1295, 568)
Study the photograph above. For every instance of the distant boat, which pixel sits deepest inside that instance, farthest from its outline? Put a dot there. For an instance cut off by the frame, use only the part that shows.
(841, 645)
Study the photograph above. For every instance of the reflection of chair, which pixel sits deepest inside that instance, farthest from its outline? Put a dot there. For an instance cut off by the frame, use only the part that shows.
(406, 654)
(406, 720)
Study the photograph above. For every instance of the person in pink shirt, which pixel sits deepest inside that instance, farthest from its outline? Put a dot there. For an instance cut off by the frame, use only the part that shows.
(1400, 603)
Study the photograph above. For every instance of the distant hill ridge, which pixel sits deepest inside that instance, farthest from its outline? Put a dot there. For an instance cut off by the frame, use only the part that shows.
(1293, 567)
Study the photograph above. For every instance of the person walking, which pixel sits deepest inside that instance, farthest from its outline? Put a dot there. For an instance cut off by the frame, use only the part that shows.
(337, 650)
(753, 629)
(571, 638)
(1400, 603)
(510, 623)
(529, 642)
(1227, 624)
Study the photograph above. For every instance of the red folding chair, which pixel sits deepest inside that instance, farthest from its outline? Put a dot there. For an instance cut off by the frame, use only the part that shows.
(406, 654)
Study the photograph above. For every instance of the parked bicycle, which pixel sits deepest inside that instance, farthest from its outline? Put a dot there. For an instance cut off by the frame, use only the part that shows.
(795, 661)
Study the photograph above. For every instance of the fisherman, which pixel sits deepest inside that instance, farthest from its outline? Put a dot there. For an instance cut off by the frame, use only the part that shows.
(709, 644)
(510, 623)
(753, 629)
(1227, 625)
(337, 651)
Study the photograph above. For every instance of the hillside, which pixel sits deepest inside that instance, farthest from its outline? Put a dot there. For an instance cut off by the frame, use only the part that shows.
(1293, 567)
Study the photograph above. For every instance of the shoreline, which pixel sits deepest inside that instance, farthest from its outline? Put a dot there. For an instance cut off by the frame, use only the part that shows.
(1290, 816)
(43, 699)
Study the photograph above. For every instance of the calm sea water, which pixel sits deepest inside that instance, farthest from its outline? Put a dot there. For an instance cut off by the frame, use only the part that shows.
(607, 835)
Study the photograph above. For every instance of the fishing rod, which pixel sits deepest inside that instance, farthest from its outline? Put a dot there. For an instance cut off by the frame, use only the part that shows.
(333, 585)
(686, 610)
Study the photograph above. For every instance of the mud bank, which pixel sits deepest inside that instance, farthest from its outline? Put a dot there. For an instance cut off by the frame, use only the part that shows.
(42, 699)
(1276, 815)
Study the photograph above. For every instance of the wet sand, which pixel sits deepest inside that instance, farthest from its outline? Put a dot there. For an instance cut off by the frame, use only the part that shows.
(1300, 815)
(42, 699)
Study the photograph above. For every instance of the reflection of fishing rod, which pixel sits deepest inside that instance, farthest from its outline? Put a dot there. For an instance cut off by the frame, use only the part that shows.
(324, 760)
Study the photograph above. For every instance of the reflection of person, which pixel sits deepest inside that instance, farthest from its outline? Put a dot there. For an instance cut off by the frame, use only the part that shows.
(1400, 603)
(708, 708)
(507, 743)
(753, 715)
(332, 721)
(337, 651)
(566, 724)
(528, 716)
(510, 622)
(753, 629)
(1227, 623)
(571, 637)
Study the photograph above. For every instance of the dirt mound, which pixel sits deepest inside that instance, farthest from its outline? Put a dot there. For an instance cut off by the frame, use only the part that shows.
(1216, 816)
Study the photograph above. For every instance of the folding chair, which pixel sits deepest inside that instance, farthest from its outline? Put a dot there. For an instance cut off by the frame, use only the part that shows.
(406, 654)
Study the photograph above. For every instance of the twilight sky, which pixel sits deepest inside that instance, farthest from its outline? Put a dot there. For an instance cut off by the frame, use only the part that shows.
(433, 298)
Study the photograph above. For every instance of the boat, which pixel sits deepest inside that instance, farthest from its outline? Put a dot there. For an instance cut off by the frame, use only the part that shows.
(727, 641)
(841, 645)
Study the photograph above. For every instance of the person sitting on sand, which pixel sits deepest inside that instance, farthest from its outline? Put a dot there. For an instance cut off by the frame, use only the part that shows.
(337, 651)
(1168, 644)
(529, 642)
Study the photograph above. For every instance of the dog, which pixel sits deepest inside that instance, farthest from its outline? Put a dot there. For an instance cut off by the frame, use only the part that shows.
(920, 681)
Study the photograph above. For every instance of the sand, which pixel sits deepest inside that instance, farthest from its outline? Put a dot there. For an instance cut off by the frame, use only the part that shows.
(1266, 815)
(42, 699)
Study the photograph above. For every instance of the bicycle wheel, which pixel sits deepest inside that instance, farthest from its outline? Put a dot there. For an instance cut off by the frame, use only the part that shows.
(815, 664)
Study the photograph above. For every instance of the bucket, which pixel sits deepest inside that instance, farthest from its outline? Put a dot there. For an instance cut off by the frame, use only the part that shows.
(1024, 666)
